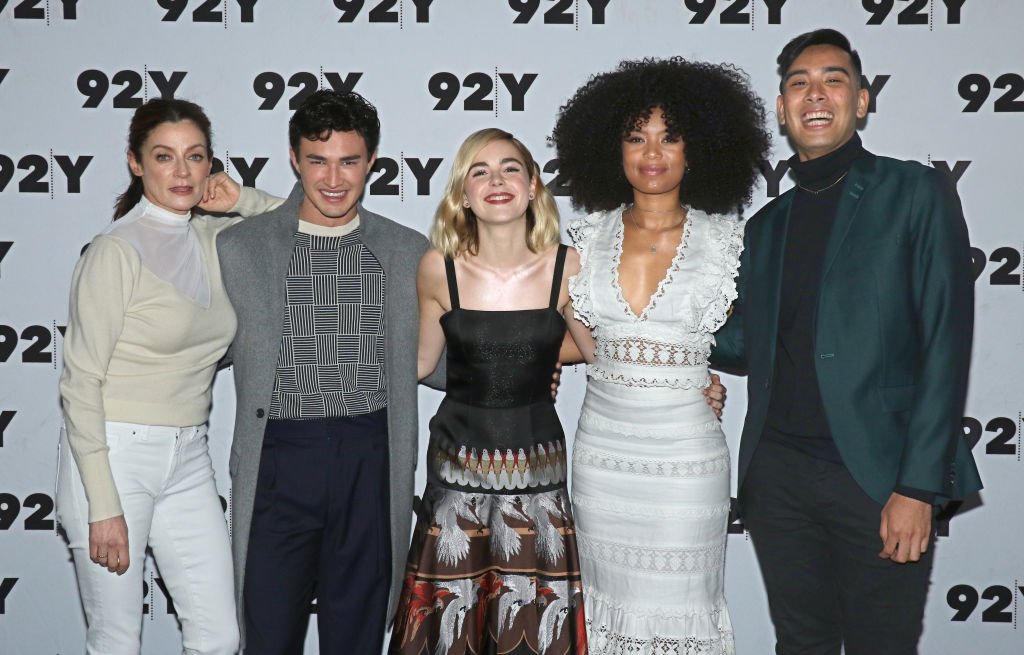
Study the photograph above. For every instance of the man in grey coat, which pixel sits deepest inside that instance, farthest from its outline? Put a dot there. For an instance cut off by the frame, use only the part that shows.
(325, 443)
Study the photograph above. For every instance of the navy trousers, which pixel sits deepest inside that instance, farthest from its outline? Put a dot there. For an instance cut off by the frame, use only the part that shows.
(320, 529)
(815, 533)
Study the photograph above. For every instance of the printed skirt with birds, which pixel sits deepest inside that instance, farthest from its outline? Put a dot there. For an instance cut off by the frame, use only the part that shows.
(493, 566)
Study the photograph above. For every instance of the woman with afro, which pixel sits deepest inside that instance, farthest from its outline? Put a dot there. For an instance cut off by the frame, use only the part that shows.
(664, 153)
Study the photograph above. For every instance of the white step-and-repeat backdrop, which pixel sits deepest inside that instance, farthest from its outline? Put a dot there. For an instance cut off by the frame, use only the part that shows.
(947, 82)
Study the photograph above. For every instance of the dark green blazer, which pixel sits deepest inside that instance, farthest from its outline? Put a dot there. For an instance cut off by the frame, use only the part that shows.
(892, 334)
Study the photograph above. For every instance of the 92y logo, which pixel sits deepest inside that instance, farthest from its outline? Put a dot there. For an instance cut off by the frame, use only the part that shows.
(965, 598)
(5, 590)
(39, 338)
(271, 86)
(382, 12)
(561, 12)
(31, 9)
(1006, 274)
(94, 84)
(1003, 427)
(914, 12)
(390, 169)
(207, 11)
(975, 88)
(6, 416)
(39, 519)
(733, 11)
(445, 87)
(37, 168)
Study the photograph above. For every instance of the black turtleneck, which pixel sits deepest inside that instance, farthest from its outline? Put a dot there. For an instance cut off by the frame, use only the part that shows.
(796, 416)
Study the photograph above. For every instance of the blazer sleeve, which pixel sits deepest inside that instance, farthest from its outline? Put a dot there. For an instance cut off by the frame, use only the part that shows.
(943, 297)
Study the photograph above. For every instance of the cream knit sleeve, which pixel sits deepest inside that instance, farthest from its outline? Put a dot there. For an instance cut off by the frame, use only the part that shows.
(101, 289)
(252, 202)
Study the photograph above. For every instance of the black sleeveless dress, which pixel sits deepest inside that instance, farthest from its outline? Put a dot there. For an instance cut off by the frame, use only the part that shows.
(493, 566)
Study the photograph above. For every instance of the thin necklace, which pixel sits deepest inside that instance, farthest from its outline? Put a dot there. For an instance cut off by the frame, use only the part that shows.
(653, 248)
(824, 188)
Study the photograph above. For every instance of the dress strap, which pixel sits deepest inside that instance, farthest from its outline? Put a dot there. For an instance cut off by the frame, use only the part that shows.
(453, 285)
(556, 280)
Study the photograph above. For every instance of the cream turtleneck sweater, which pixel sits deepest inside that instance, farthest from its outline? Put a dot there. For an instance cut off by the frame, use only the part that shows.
(143, 337)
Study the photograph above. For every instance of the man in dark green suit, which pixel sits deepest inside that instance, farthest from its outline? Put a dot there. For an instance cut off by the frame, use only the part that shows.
(854, 323)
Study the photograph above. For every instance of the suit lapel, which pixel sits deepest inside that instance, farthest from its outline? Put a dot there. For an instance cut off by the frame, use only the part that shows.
(857, 185)
(773, 249)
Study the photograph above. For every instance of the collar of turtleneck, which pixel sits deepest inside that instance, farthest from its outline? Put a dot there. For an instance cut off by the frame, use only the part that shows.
(822, 171)
(164, 216)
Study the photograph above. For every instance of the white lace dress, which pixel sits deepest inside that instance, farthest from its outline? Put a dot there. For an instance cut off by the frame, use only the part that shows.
(650, 475)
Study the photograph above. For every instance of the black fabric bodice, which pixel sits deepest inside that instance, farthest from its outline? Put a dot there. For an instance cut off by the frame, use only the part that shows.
(498, 397)
(502, 358)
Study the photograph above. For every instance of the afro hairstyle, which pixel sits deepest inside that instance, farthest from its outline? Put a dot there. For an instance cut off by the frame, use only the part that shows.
(710, 106)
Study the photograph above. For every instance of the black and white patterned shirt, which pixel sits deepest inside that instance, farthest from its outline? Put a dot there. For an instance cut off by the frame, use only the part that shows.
(331, 361)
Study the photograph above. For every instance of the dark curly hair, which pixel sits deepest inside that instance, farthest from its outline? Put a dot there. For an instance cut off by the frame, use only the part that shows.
(326, 111)
(711, 107)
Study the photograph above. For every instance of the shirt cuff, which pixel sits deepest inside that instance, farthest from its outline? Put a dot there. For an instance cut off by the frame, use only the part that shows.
(916, 494)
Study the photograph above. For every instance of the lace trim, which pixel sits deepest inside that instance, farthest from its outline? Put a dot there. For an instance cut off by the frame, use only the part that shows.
(658, 560)
(643, 351)
(594, 423)
(583, 232)
(648, 511)
(602, 641)
(677, 260)
(599, 372)
(598, 601)
(717, 288)
(586, 456)
(712, 290)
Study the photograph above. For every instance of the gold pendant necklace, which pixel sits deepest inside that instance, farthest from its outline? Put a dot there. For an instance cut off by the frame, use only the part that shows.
(653, 248)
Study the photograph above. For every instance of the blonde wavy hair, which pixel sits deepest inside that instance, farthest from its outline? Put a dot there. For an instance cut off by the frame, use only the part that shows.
(455, 229)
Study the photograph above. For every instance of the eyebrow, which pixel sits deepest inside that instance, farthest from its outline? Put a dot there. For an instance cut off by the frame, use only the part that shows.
(348, 158)
(503, 161)
(827, 69)
(191, 147)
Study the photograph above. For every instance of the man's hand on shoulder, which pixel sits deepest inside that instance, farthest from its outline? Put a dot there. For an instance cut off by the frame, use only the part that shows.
(905, 529)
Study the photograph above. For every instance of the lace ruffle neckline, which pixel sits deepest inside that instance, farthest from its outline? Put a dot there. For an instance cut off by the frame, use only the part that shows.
(673, 267)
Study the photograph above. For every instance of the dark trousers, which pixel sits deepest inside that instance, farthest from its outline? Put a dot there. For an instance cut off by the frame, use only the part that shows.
(320, 528)
(815, 533)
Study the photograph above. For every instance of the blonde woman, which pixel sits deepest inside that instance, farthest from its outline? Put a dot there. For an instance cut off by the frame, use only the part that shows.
(493, 565)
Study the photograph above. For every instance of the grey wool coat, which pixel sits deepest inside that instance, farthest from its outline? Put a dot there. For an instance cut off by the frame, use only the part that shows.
(254, 257)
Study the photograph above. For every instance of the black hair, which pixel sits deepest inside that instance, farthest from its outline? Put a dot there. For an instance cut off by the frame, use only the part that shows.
(147, 118)
(823, 36)
(325, 112)
(710, 106)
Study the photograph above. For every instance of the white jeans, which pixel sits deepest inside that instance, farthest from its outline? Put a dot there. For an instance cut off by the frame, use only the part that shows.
(164, 478)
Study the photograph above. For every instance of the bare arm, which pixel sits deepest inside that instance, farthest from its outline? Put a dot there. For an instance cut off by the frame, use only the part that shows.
(431, 288)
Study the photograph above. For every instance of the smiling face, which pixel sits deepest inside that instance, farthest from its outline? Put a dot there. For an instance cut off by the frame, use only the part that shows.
(498, 184)
(333, 174)
(653, 160)
(173, 162)
(821, 101)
